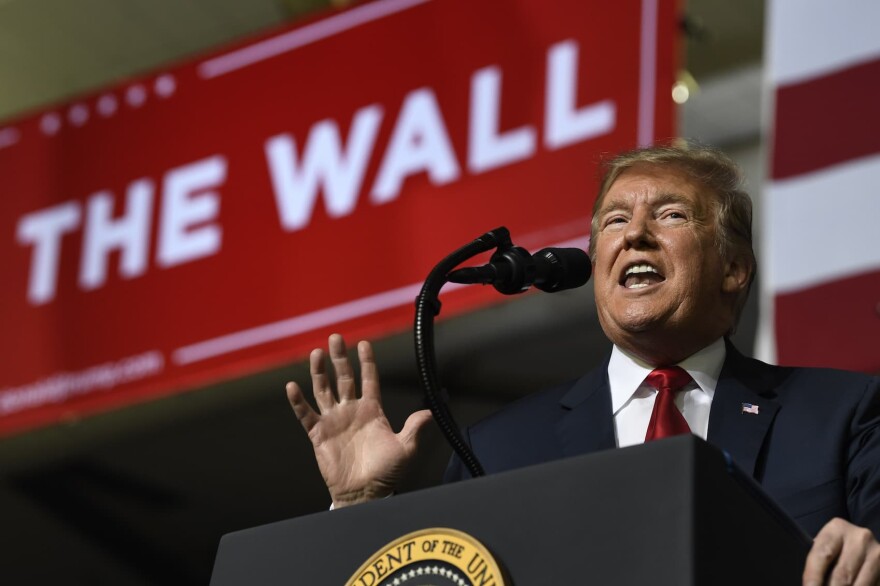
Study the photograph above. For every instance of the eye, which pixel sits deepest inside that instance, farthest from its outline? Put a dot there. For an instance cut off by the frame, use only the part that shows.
(615, 220)
(674, 215)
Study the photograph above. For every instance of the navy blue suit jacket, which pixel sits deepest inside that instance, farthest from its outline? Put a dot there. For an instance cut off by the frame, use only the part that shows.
(814, 446)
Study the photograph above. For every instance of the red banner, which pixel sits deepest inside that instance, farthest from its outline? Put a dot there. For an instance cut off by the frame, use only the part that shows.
(222, 217)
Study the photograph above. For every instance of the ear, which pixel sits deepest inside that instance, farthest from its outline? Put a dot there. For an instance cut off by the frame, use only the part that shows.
(737, 275)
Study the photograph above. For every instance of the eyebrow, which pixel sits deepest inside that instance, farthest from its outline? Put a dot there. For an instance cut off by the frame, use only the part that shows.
(660, 199)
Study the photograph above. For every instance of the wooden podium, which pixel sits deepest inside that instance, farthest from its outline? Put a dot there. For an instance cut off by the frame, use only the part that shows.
(670, 512)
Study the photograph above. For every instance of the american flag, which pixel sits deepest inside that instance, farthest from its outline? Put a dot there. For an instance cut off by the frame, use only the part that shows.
(825, 157)
(749, 408)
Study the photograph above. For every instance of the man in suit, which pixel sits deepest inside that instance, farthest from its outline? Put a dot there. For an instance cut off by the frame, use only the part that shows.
(672, 266)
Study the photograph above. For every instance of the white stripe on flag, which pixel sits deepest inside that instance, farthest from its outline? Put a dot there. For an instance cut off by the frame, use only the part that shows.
(811, 38)
(822, 226)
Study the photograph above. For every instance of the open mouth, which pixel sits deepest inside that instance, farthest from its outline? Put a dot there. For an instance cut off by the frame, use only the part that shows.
(639, 276)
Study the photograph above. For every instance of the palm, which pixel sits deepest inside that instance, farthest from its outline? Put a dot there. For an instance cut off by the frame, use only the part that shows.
(360, 456)
(358, 452)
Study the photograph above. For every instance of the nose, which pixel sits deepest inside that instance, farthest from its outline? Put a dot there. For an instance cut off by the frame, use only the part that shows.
(638, 233)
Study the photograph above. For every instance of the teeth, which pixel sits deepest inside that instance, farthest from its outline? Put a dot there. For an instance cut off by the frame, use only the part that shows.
(640, 269)
(637, 286)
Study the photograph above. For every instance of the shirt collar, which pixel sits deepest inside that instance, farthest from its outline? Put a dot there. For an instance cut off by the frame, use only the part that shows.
(626, 373)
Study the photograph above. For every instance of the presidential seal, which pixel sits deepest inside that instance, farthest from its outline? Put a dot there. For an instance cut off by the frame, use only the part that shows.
(430, 557)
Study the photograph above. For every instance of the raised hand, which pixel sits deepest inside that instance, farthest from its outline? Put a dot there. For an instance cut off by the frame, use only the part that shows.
(359, 455)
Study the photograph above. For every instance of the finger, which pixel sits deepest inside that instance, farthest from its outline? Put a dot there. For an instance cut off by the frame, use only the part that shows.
(345, 383)
(301, 408)
(320, 383)
(856, 541)
(826, 548)
(870, 571)
(415, 423)
(369, 371)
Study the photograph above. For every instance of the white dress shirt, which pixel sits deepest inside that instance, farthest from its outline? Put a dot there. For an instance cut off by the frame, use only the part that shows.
(632, 400)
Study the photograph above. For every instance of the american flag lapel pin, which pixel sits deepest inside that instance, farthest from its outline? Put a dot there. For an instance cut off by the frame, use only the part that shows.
(749, 408)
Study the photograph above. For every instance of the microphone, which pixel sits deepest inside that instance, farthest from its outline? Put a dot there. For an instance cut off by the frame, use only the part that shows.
(514, 270)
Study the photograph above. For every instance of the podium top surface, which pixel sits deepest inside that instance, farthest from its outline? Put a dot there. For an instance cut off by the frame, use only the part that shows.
(671, 511)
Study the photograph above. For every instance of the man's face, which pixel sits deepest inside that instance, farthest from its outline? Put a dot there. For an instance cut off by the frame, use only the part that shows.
(659, 280)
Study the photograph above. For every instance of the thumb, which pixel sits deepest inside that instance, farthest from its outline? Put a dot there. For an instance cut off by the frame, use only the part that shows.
(414, 424)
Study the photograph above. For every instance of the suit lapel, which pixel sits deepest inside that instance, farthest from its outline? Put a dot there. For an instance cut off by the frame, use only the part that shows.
(741, 434)
(588, 424)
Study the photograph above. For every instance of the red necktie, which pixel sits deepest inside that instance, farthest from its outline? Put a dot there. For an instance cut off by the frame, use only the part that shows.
(666, 419)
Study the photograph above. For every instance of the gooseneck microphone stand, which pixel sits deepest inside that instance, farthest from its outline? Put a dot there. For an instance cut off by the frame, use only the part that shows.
(427, 308)
(511, 271)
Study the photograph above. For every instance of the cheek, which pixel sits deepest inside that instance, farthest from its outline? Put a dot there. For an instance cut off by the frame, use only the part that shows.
(605, 253)
(696, 272)
(602, 270)
(695, 251)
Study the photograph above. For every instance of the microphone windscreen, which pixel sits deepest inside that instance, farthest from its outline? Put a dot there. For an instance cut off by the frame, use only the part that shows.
(562, 268)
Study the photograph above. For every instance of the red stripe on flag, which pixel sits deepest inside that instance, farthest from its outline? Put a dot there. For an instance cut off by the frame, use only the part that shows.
(836, 324)
(827, 120)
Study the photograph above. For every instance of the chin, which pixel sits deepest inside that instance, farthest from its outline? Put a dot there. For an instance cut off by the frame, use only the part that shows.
(640, 322)
(631, 332)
